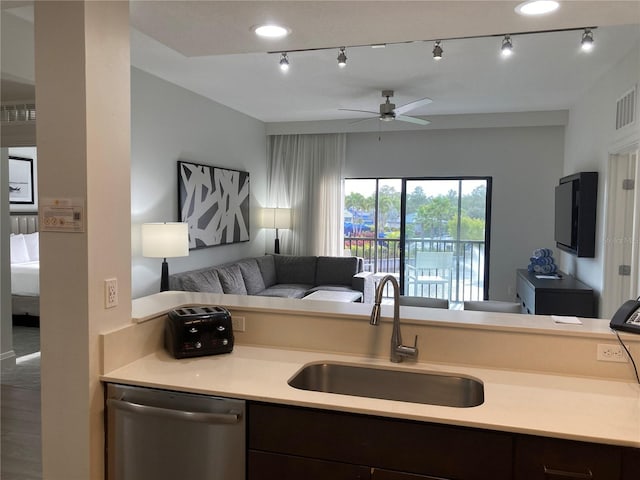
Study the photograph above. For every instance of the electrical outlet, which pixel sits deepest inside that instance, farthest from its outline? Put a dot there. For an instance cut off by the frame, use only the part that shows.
(611, 353)
(110, 293)
(238, 324)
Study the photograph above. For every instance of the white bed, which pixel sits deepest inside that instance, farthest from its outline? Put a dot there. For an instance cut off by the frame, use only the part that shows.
(25, 265)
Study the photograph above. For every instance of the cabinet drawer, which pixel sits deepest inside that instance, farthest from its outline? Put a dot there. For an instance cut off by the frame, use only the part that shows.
(540, 458)
(269, 466)
(400, 445)
(526, 295)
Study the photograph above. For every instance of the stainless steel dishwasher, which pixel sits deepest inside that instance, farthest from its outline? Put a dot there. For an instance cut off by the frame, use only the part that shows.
(164, 435)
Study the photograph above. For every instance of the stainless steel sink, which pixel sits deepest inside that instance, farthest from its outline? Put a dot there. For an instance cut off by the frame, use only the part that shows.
(406, 386)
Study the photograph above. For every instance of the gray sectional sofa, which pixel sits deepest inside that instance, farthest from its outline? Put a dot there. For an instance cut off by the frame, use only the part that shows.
(288, 276)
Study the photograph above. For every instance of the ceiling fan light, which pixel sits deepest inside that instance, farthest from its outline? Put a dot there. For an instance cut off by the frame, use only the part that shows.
(587, 40)
(342, 58)
(284, 62)
(507, 46)
(437, 51)
(537, 7)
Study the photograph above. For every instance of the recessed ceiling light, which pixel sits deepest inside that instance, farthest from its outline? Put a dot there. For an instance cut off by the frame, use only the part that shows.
(271, 31)
(537, 7)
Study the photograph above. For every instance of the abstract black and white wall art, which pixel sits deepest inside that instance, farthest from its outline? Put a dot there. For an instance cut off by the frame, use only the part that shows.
(215, 203)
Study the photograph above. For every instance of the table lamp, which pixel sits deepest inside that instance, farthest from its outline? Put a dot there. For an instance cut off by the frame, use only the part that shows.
(165, 240)
(276, 218)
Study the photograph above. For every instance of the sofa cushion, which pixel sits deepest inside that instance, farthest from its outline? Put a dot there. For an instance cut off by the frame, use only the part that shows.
(331, 288)
(284, 290)
(196, 281)
(336, 270)
(252, 276)
(295, 269)
(267, 267)
(231, 280)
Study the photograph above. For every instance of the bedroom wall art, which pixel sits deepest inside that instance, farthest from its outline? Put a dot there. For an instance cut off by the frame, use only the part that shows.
(21, 180)
(215, 203)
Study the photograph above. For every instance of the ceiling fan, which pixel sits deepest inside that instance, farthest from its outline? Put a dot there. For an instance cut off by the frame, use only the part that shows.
(389, 112)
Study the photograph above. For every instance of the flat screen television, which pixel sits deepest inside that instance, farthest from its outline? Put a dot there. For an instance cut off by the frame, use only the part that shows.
(575, 214)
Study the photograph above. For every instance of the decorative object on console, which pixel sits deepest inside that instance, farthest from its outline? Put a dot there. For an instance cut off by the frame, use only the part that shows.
(542, 262)
(165, 240)
(215, 203)
(276, 218)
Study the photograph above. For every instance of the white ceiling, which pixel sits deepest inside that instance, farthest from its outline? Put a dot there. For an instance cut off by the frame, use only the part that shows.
(208, 47)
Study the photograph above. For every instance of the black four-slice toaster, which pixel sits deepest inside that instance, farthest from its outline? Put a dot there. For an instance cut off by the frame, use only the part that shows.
(193, 331)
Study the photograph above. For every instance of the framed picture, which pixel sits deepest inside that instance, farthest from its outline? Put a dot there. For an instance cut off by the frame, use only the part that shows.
(215, 203)
(21, 180)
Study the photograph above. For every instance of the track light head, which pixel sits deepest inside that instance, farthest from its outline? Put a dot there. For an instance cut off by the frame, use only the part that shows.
(437, 51)
(284, 62)
(342, 58)
(587, 40)
(507, 46)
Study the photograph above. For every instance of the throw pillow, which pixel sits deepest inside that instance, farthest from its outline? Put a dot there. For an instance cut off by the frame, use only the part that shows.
(33, 246)
(252, 277)
(231, 280)
(268, 270)
(19, 252)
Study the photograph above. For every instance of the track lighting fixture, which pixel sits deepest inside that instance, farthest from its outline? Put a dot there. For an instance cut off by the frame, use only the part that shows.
(342, 58)
(587, 40)
(437, 51)
(284, 62)
(507, 46)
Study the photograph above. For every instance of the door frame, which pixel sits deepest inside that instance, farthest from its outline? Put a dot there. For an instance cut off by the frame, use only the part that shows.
(615, 291)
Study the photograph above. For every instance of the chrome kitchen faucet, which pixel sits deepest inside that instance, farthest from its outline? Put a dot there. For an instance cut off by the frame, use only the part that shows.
(398, 351)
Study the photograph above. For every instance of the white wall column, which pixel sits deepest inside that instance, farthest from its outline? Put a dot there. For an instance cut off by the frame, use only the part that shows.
(83, 138)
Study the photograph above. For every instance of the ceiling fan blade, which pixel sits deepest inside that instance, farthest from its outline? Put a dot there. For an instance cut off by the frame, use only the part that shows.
(417, 121)
(411, 105)
(362, 111)
(361, 120)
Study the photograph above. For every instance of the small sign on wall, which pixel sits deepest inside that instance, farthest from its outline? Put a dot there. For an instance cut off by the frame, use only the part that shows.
(62, 215)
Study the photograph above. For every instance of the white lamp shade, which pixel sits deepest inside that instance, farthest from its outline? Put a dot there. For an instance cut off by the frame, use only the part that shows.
(165, 240)
(276, 218)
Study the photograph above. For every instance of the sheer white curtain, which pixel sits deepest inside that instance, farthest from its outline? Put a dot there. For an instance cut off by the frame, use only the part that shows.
(304, 173)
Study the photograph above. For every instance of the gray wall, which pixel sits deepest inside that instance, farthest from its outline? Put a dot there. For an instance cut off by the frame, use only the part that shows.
(590, 138)
(525, 164)
(169, 124)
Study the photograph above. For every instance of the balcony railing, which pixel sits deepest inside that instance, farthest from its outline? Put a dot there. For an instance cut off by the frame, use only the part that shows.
(467, 276)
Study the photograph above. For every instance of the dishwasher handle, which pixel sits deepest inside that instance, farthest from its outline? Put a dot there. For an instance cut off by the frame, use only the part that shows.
(228, 418)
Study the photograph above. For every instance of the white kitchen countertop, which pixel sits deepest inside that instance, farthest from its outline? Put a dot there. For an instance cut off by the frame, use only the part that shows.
(558, 406)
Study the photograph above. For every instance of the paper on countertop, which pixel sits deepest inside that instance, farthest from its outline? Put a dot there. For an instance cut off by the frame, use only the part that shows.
(566, 320)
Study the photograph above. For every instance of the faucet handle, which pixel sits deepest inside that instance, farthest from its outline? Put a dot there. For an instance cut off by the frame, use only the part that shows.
(415, 342)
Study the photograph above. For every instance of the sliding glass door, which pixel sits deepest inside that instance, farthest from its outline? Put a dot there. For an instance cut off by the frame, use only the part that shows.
(445, 238)
(431, 233)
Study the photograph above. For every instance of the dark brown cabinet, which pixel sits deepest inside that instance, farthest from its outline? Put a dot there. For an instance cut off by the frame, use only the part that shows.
(284, 441)
(631, 464)
(287, 443)
(538, 458)
(565, 296)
